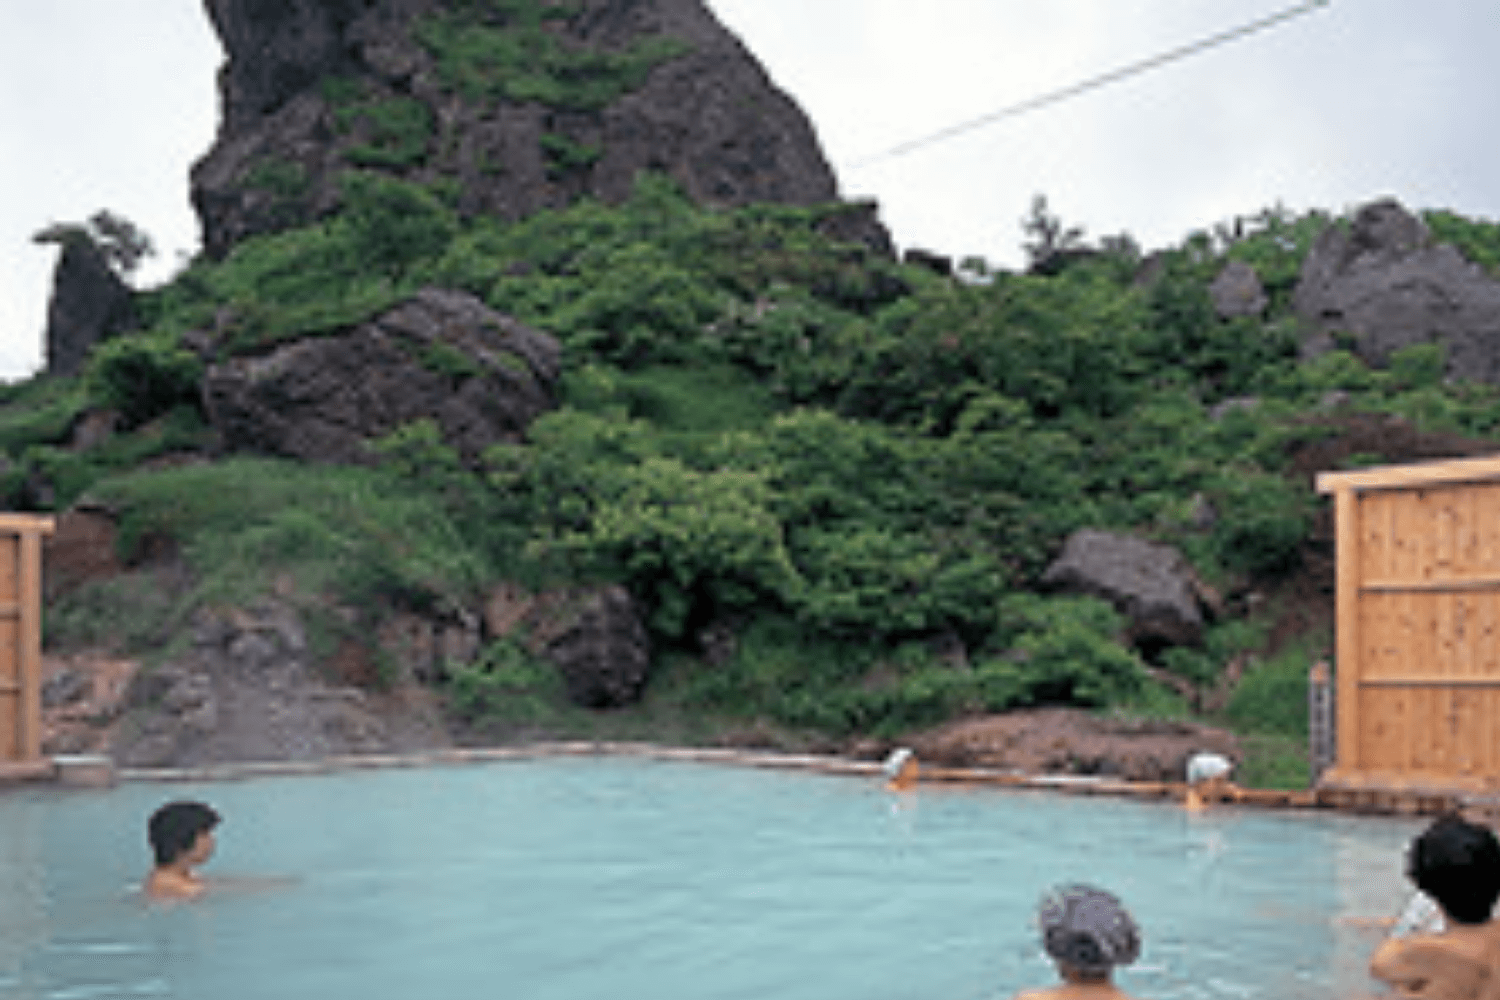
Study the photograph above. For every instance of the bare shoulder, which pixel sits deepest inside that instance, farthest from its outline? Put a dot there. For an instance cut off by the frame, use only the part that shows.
(1432, 966)
(1036, 994)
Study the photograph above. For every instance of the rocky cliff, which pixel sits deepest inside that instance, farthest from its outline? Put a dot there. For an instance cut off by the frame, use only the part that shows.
(509, 106)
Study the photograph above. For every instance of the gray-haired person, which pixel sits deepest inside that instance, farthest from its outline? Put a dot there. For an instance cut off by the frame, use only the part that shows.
(1087, 932)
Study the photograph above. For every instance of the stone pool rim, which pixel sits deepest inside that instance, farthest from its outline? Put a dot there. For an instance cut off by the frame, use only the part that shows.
(100, 771)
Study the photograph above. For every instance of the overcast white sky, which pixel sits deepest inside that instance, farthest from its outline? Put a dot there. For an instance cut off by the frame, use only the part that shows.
(106, 103)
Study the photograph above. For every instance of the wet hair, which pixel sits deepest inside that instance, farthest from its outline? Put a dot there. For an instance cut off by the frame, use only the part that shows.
(173, 828)
(1088, 929)
(1457, 863)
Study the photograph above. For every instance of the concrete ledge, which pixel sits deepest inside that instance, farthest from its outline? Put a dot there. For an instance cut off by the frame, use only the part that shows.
(84, 771)
(16, 772)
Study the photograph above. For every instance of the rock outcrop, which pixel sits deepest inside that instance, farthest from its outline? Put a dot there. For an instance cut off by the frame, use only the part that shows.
(89, 304)
(1237, 292)
(1150, 584)
(593, 635)
(1384, 284)
(518, 106)
(248, 690)
(1072, 741)
(481, 376)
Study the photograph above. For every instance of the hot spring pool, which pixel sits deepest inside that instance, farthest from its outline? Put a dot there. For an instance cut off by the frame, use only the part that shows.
(613, 878)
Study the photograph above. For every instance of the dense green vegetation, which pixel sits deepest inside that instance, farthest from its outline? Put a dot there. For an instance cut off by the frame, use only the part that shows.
(861, 468)
(502, 50)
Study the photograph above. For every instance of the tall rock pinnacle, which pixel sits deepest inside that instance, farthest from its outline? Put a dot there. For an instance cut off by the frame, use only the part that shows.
(514, 106)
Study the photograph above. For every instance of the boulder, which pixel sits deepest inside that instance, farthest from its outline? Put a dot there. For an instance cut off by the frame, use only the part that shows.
(1237, 292)
(312, 88)
(1382, 283)
(248, 690)
(83, 695)
(421, 647)
(1151, 584)
(593, 635)
(482, 377)
(1073, 741)
(89, 304)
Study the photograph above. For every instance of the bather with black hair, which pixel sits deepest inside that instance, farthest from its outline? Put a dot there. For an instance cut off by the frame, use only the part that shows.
(1456, 864)
(182, 838)
(1087, 933)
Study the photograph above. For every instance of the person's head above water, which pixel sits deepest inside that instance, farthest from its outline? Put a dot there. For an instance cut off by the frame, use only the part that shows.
(174, 829)
(1087, 931)
(1457, 863)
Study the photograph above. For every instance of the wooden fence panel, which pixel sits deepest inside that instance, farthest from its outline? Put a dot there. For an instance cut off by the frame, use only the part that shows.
(1418, 664)
(20, 637)
(12, 710)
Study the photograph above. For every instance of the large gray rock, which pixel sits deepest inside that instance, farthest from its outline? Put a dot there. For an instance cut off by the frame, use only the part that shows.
(89, 304)
(1237, 292)
(1150, 584)
(1384, 284)
(312, 88)
(445, 356)
(248, 690)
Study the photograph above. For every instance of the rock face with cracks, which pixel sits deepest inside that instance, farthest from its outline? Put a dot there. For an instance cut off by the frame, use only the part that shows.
(480, 376)
(1382, 284)
(514, 105)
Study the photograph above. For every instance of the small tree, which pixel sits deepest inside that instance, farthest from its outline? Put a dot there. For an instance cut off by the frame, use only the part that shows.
(1046, 235)
(123, 244)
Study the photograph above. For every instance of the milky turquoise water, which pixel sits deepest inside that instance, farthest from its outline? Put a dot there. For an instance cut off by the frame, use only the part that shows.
(619, 878)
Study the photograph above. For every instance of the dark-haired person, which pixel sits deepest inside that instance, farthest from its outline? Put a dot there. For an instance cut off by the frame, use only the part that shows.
(1456, 864)
(1087, 932)
(182, 838)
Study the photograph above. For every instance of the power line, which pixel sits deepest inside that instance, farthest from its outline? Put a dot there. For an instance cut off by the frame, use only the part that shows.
(1095, 82)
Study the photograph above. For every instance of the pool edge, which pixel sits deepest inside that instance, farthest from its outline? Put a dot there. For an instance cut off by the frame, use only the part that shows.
(100, 772)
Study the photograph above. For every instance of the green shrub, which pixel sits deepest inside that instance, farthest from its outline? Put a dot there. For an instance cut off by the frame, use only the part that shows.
(635, 306)
(567, 156)
(392, 225)
(1273, 761)
(396, 132)
(1262, 521)
(289, 185)
(680, 536)
(506, 52)
(40, 410)
(143, 376)
(1476, 239)
(506, 683)
(1272, 696)
(347, 531)
(1067, 649)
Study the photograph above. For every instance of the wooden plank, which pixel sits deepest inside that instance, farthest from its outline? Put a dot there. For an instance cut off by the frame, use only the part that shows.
(1391, 477)
(1487, 725)
(1421, 732)
(1416, 586)
(1383, 729)
(1373, 512)
(1346, 628)
(10, 585)
(10, 674)
(1466, 723)
(30, 645)
(1428, 681)
(24, 524)
(10, 713)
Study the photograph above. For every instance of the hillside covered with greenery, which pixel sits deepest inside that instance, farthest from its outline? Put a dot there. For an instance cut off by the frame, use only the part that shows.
(856, 468)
